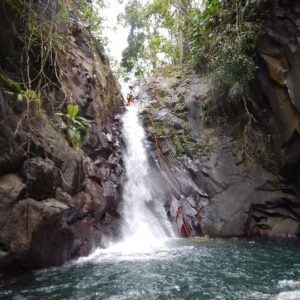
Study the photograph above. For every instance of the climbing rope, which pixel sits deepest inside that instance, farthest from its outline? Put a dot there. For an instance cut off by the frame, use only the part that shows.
(184, 228)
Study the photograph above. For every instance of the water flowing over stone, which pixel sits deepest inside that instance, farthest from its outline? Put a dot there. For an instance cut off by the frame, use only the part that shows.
(145, 219)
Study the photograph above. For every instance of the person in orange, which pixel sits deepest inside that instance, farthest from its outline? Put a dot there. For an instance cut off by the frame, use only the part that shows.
(130, 98)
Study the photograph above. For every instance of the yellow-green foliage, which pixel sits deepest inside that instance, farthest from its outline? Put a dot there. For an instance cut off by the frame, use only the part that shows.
(14, 88)
(16, 5)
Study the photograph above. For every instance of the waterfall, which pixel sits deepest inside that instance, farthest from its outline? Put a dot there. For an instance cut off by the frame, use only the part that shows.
(145, 224)
(145, 227)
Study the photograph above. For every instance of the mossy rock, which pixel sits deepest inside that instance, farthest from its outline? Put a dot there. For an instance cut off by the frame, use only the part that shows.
(200, 239)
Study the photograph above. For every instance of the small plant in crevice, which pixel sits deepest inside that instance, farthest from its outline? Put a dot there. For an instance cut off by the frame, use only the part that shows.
(180, 140)
(206, 113)
(180, 111)
(223, 121)
(76, 125)
(14, 88)
(201, 148)
(200, 239)
(214, 114)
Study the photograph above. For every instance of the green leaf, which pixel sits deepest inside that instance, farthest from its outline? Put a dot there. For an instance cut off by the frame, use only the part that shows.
(74, 136)
(8, 92)
(84, 122)
(72, 110)
(20, 97)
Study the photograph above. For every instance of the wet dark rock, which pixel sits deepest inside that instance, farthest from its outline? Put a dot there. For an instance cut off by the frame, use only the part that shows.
(84, 202)
(277, 87)
(177, 123)
(63, 197)
(12, 189)
(11, 155)
(109, 191)
(41, 176)
(167, 147)
(32, 233)
(95, 191)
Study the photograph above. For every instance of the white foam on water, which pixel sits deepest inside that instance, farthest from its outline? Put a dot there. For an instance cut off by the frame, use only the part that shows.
(119, 252)
(291, 295)
(259, 296)
(289, 283)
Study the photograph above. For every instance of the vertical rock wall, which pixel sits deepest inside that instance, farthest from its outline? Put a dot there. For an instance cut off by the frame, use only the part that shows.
(216, 187)
(57, 202)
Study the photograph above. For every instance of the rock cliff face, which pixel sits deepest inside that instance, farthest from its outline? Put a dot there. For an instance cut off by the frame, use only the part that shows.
(56, 202)
(228, 176)
(277, 89)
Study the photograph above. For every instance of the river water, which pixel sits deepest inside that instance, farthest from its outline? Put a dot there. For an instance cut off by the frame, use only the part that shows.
(214, 269)
(150, 262)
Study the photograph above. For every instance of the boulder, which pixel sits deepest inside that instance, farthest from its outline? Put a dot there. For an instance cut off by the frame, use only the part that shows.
(84, 201)
(12, 189)
(41, 176)
(68, 161)
(95, 191)
(33, 233)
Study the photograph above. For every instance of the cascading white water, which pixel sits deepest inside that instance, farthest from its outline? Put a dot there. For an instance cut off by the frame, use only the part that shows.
(146, 227)
(145, 221)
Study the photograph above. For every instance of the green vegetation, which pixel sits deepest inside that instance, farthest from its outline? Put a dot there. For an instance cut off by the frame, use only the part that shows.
(207, 111)
(231, 62)
(221, 40)
(235, 239)
(203, 149)
(217, 36)
(42, 34)
(180, 140)
(75, 125)
(14, 88)
(156, 34)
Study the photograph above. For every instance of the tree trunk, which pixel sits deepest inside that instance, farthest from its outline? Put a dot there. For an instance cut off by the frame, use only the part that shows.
(183, 8)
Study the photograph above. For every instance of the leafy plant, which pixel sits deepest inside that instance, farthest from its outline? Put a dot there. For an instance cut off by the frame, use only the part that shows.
(157, 34)
(231, 62)
(75, 124)
(203, 149)
(180, 140)
(15, 88)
